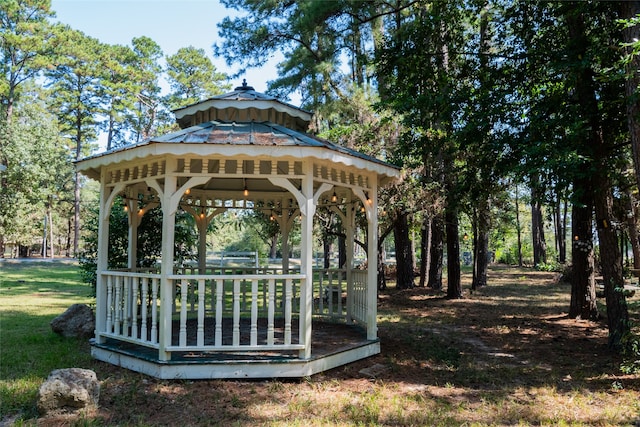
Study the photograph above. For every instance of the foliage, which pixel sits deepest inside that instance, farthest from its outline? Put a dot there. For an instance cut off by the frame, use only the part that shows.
(38, 173)
(25, 47)
(549, 266)
(149, 248)
(631, 354)
(192, 77)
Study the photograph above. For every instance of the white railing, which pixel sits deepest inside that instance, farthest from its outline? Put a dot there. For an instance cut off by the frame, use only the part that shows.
(359, 296)
(132, 307)
(228, 309)
(236, 312)
(329, 293)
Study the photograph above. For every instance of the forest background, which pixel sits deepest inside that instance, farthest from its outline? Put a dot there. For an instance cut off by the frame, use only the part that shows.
(487, 106)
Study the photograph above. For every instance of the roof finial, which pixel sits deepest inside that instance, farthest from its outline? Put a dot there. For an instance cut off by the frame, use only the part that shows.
(244, 86)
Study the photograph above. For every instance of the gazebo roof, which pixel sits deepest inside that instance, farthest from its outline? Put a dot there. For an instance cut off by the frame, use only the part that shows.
(258, 130)
(241, 104)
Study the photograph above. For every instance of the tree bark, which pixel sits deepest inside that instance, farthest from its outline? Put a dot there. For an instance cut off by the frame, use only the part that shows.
(583, 289)
(342, 251)
(560, 221)
(518, 228)
(436, 252)
(632, 230)
(481, 245)
(454, 285)
(425, 245)
(404, 257)
(537, 227)
(326, 250)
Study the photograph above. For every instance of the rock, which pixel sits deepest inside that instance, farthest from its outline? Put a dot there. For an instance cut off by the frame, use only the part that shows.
(68, 391)
(374, 371)
(78, 321)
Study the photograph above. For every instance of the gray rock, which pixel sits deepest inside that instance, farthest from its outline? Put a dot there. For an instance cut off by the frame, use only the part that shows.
(68, 391)
(77, 322)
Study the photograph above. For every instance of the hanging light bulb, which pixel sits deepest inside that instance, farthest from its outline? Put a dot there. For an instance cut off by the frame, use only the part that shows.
(187, 191)
(362, 209)
(246, 190)
(271, 217)
(126, 208)
(366, 194)
(334, 198)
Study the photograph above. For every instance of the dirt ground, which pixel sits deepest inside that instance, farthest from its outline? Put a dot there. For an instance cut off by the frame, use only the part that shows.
(504, 355)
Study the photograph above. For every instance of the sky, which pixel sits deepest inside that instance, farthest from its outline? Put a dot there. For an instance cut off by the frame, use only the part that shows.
(170, 23)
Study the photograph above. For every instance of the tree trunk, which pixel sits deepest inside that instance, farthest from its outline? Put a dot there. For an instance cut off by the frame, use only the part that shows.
(404, 258)
(454, 285)
(518, 228)
(611, 263)
(425, 245)
(537, 228)
(436, 252)
(632, 230)
(628, 10)
(273, 247)
(481, 245)
(583, 288)
(342, 250)
(610, 256)
(326, 250)
(559, 218)
(382, 280)
(76, 213)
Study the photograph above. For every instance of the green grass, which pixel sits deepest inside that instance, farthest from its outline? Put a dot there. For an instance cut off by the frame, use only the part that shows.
(31, 295)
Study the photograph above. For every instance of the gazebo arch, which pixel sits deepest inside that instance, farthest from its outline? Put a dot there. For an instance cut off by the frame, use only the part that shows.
(240, 150)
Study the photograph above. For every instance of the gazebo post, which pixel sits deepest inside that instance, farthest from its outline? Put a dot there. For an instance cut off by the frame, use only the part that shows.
(306, 262)
(166, 267)
(349, 226)
(372, 262)
(102, 261)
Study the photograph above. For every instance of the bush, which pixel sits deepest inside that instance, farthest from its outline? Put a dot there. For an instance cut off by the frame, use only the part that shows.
(630, 354)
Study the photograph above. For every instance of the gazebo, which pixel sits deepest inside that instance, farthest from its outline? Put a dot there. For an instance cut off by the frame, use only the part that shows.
(240, 150)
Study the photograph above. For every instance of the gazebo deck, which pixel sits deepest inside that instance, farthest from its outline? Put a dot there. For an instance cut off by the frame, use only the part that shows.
(333, 343)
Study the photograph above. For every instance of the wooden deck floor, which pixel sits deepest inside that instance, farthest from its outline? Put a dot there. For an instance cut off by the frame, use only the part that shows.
(328, 338)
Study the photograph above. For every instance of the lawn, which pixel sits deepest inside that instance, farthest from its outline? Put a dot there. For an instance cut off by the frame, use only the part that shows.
(506, 355)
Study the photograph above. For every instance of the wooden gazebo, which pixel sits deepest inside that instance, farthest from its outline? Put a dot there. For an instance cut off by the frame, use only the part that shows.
(239, 150)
